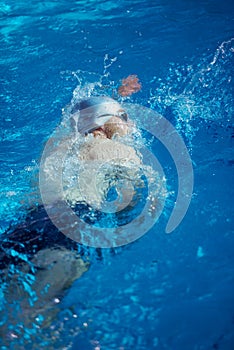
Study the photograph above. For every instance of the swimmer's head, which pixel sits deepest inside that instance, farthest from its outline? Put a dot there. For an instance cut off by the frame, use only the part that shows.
(97, 111)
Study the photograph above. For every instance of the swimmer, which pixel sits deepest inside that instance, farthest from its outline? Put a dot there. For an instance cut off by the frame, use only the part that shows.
(35, 253)
(35, 250)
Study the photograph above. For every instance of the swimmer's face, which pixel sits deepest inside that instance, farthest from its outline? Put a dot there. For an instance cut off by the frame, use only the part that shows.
(100, 133)
(115, 126)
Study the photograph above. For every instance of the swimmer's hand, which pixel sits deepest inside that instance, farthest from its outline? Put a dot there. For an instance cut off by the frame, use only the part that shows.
(130, 85)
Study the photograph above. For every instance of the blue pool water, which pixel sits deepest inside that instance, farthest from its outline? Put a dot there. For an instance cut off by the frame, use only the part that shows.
(162, 291)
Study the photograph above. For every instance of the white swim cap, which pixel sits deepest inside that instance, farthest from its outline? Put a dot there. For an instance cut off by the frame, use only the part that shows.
(96, 111)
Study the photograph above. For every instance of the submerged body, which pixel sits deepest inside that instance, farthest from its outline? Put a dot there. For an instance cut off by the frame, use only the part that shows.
(38, 264)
